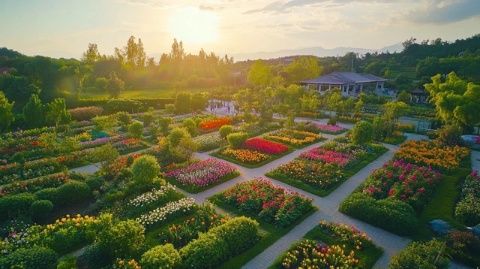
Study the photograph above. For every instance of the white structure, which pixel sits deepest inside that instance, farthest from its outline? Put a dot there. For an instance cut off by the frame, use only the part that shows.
(350, 84)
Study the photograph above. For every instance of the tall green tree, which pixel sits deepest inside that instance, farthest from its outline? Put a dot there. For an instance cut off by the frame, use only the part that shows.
(115, 85)
(34, 112)
(260, 74)
(91, 55)
(6, 113)
(456, 101)
(305, 67)
(57, 112)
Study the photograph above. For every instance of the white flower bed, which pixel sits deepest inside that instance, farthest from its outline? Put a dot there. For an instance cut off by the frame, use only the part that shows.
(162, 213)
(151, 196)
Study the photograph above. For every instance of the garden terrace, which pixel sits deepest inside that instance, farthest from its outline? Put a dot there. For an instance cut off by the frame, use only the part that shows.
(321, 170)
(331, 245)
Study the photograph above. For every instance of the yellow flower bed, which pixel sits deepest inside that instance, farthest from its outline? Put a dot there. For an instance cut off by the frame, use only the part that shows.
(430, 154)
(245, 155)
(294, 137)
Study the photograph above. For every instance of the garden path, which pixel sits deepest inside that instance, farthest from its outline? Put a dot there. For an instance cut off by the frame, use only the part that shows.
(475, 156)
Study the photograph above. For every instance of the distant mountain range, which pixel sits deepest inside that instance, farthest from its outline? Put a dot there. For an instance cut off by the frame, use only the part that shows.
(315, 51)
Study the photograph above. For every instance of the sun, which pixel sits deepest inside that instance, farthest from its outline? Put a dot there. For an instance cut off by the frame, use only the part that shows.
(193, 25)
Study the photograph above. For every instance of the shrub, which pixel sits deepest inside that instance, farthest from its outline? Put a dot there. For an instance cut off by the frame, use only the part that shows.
(49, 194)
(332, 121)
(117, 105)
(225, 130)
(236, 140)
(170, 108)
(239, 234)
(123, 240)
(145, 169)
(94, 257)
(85, 113)
(30, 258)
(389, 214)
(468, 210)
(190, 125)
(41, 209)
(135, 129)
(362, 133)
(15, 205)
(147, 119)
(94, 182)
(164, 256)
(449, 135)
(176, 135)
(72, 192)
(426, 255)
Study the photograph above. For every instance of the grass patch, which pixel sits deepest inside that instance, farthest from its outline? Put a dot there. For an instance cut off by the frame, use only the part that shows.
(395, 140)
(367, 257)
(197, 189)
(249, 165)
(269, 234)
(348, 172)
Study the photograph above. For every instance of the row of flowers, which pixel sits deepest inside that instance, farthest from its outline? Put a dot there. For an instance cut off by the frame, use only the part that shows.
(430, 154)
(293, 137)
(404, 181)
(213, 124)
(326, 156)
(151, 196)
(245, 155)
(330, 129)
(270, 203)
(203, 173)
(209, 141)
(468, 208)
(34, 185)
(164, 213)
(265, 146)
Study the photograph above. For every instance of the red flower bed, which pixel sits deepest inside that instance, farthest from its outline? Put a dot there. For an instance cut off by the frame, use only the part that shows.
(265, 146)
(213, 124)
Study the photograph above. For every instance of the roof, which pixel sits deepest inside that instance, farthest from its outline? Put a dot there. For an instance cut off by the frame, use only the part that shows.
(338, 78)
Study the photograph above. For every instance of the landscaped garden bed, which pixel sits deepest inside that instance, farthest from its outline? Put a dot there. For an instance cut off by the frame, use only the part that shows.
(330, 129)
(202, 175)
(323, 169)
(294, 138)
(209, 141)
(330, 245)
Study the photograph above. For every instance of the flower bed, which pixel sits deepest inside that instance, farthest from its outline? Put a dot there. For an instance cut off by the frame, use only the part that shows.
(245, 155)
(294, 137)
(209, 141)
(331, 245)
(321, 170)
(430, 154)
(468, 208)
(270, 203)
(209, 125)
(129, 145)
(33, 185)
(199, 175)
(330, 129)
(170, 210)
(265, 146)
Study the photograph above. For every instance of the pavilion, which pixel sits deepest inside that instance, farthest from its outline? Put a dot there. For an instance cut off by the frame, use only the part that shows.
(350, 84)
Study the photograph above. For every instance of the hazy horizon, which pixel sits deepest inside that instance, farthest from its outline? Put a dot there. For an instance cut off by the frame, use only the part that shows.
(64, 29)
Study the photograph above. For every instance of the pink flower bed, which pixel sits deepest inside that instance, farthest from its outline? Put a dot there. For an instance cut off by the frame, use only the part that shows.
(327, 128)
(265, 146)
(202, 173)
(327, 156)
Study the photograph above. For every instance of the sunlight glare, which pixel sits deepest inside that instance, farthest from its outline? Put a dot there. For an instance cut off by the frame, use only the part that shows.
(192, 25)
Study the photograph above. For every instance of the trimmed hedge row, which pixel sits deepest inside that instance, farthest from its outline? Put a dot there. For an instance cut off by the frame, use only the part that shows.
(390, 214)
(117, 105)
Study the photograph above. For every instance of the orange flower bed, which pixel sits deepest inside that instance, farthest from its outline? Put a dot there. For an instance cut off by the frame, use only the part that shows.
(213, 124)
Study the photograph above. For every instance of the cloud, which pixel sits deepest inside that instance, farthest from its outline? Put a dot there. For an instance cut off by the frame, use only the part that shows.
(285, 6)
(445, 11)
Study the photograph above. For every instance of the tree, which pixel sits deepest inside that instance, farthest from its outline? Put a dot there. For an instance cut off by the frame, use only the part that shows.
(362, 133)
(135, 129)
(456, 101)
(190, 125)
(309, 102)
(34, 112)
(305, 67)
(91, 55)
(145, 169)
(183, 103)
(260, 74)
(57, 112)
(115, 85)
(101, 83)
(124, 239)
(6, 114)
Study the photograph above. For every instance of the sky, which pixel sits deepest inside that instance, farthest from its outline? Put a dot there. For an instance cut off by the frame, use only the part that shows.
(63, 28)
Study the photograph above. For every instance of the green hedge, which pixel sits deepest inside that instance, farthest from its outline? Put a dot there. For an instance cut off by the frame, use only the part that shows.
(164, 256)
(14, 205)
(30, 258)
(392, 215)
(220, 243)
(117, 105)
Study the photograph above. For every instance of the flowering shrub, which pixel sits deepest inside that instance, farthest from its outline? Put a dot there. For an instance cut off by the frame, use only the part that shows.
(310, 254)
(203, 173)
(208, 141)
(293, 137)
(468, 208)
(129, 145)
(182, 233)
(114, 168)
(152, 196)
(430, 154)
(85, 113)
(345, 234)
(330, 129)
(265, 146)
(245, 155)
(270, 203)
(326, 156)
(214, 124)
(34, 185)
(164, 213)
(404, 181)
